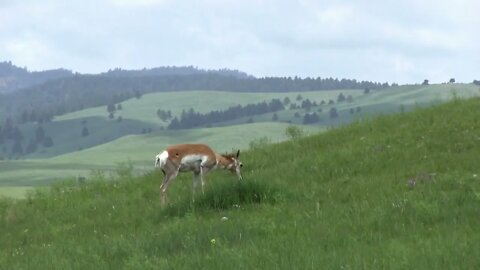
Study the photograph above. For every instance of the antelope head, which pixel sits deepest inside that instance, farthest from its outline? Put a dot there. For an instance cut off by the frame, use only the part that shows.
(235, 164)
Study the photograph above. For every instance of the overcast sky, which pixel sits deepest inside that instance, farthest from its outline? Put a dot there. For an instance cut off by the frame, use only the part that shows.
(378, 40)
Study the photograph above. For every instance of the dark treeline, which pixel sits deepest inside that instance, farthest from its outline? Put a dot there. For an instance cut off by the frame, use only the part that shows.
(173, 70)
(13, 77)
(13, 143)
(44, 101)
(192, 119)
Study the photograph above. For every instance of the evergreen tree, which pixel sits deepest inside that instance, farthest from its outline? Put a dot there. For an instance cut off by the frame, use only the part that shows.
(85, 132)
(307, 104)
(174, 124)
(111, 108)
(39, 134)
(8, 128)
(17, 149)
(17, 134)
(275, 117)
(333, 113)
(25, 117)
(48, 142)
(31, 147)
(311, 118)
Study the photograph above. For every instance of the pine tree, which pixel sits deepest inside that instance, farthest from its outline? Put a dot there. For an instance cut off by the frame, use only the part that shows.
(39, 134)
(48, 142)
(17, 149)
(333, 113)
(275, 117)
(85, 132)
(31, 147)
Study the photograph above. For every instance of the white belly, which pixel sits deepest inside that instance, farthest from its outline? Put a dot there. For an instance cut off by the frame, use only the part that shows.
(192, 162)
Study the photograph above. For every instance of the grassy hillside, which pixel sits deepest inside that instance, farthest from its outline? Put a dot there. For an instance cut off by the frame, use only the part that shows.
(139, 150)
(139, 115)
(398, 192)
(386, 101)
(144, 109)
(74, 155)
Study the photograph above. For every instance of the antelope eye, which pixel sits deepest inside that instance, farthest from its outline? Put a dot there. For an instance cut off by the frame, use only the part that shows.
(241, 165)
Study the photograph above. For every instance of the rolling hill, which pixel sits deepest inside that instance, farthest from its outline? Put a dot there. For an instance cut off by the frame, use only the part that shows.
(107, 145)
(137, 150)
(395, 192)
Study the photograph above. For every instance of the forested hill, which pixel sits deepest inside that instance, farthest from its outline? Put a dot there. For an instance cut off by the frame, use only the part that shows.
(55, 97)
(13, 77)
(173, 70)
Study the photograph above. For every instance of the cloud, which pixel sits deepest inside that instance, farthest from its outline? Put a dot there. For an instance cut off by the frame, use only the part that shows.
(402, 41)
(136, 3)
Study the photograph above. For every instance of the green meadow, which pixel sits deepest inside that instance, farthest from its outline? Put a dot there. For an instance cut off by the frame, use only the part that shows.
(144, 109)
(111, 142)
(395, 192)
(137, 150)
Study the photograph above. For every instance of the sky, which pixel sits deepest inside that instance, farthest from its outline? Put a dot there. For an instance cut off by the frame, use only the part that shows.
(376, 40)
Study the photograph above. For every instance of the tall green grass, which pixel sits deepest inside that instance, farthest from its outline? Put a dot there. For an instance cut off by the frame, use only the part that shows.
(344, 199)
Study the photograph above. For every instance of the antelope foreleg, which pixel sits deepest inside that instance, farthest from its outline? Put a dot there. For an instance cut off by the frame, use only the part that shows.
(196, 178)
(164, 186)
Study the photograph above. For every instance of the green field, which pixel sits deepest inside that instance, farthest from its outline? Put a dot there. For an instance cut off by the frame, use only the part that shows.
(139, 117)
(111, 142)
(139, 150)
(144, 109)
(396, 192)
(384, 101)
(14, 192)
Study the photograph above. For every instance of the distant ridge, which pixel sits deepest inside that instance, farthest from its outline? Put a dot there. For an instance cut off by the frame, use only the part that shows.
(174, 70)
(13, 77)
(39, 96)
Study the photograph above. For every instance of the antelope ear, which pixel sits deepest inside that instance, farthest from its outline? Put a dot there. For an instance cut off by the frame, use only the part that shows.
(238, 153)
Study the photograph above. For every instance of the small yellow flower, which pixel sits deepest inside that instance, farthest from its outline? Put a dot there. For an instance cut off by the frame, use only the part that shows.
(213, 241)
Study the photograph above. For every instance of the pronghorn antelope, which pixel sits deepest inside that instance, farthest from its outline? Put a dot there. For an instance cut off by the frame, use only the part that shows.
(198, 158)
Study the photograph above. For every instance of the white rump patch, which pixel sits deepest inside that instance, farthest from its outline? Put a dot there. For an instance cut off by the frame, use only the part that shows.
(161, 159)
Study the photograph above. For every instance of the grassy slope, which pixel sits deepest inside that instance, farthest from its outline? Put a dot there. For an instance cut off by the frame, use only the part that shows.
(140, 150)
(384, 101)
(337, 200)
(139, 115)
(144, 109)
